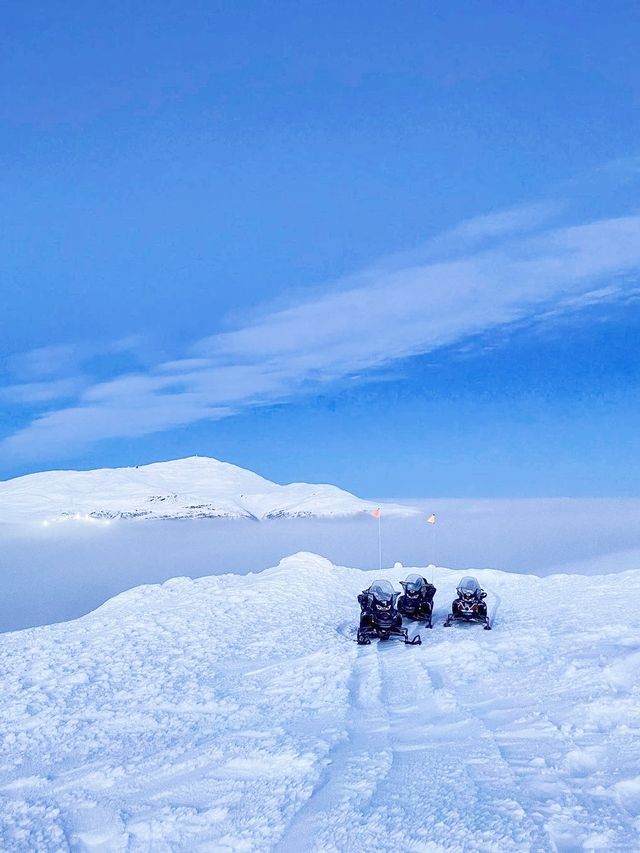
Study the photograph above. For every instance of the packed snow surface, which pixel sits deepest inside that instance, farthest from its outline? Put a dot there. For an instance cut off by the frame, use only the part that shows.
(237, 713)
(198, 487)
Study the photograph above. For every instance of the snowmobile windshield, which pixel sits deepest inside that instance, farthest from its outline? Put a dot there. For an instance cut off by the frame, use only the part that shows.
(468, 585)
(414, 583)
(382, 590)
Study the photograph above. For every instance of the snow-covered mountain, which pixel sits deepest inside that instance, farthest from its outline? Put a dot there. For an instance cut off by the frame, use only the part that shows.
(197, 487)
(236, 713)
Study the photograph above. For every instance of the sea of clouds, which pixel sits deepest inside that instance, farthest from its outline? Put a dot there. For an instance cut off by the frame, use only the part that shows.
(66, 570)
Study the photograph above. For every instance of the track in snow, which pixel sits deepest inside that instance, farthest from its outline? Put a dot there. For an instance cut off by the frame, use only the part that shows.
(414, 769)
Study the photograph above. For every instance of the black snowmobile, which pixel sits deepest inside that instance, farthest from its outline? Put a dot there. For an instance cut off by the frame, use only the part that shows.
(379, 616)
(416, 601)
(469, 606)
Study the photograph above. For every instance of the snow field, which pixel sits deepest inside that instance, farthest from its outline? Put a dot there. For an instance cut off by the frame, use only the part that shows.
(237, 713)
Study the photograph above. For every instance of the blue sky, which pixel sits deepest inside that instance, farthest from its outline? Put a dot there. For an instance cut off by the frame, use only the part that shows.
(394, 246)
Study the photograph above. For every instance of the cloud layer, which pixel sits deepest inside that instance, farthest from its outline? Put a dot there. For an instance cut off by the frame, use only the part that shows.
(482, 275)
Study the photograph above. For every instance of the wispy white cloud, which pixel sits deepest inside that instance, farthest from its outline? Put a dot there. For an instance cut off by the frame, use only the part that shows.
(495, 226)
(29, 393)
(43, 361)
(500, 270)
(45, 364)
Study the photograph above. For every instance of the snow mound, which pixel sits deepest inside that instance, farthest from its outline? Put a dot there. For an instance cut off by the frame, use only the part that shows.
(197, 487)
(237, 713)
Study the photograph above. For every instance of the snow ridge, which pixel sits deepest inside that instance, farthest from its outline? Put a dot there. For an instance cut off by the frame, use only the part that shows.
(236, 713)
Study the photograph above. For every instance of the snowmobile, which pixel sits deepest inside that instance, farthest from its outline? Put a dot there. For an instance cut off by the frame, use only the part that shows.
(416, 601)
(379, 616)
(469, 606)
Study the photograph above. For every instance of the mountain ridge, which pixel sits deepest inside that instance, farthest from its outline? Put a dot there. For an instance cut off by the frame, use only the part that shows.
(192, 487)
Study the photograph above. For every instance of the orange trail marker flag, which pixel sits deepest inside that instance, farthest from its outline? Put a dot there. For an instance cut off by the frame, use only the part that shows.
(376, 514)
(432, 520)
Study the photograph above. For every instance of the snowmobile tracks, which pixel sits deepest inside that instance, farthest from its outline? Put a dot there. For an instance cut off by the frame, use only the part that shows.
(447, 774)
(356, 762)
(414, 769)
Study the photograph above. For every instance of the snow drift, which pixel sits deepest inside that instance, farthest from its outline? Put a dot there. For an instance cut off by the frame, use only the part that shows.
(197, 487)
(236, 713)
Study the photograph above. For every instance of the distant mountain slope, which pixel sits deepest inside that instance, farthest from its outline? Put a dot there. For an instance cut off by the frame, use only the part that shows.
(197, 487)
